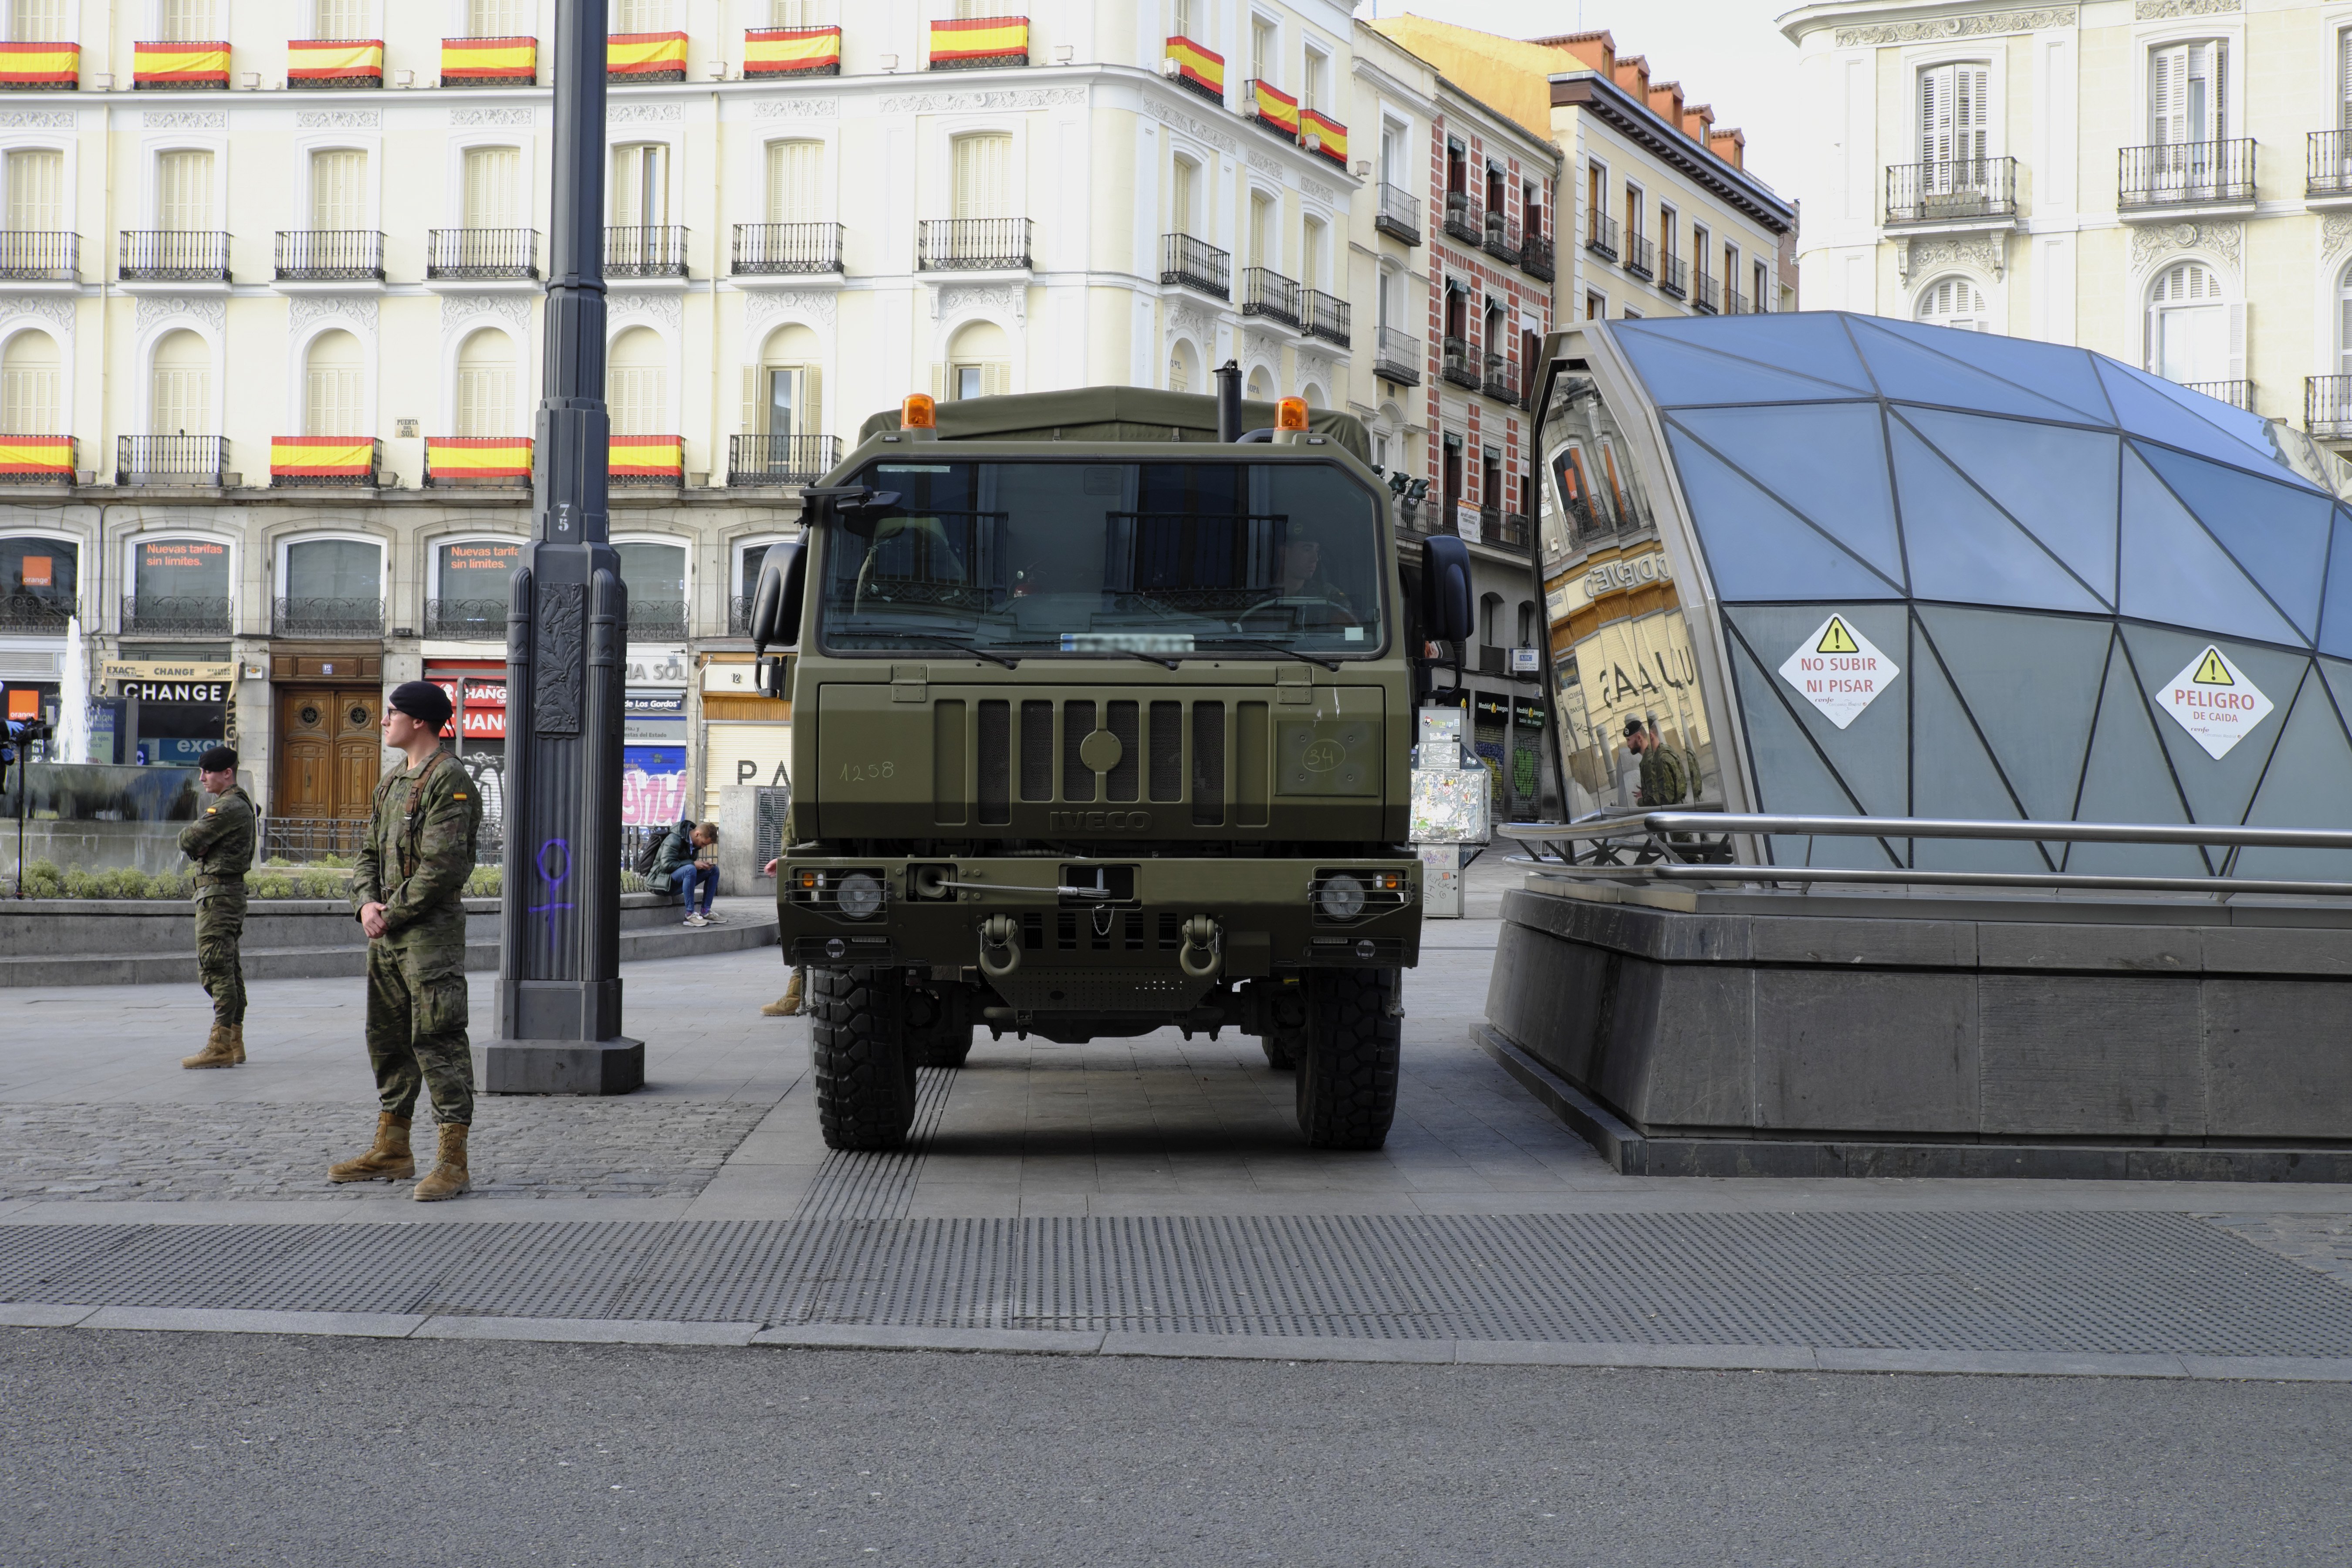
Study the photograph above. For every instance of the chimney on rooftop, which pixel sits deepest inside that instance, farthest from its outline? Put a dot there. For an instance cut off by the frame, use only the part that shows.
(1729, 145)
(1697, 120)
(1632, 74)
(1594, 51)
(1666, 102)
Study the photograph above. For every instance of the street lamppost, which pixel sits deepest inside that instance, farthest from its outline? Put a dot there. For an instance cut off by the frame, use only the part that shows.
(567, 630)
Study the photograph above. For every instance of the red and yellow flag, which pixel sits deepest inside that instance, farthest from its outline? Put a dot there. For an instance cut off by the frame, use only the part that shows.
(296, 458)
(485, 60)
(49, 455)
(647, 457)
(1204, 69)
(477, 459)
(334, 60)
(40, 64)
(975, 40)
(1274, 107)
(179, 64)
(1329, 131)
(638, 54)
(788, 51)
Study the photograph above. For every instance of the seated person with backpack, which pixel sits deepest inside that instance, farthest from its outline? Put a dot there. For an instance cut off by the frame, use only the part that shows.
(688, 858)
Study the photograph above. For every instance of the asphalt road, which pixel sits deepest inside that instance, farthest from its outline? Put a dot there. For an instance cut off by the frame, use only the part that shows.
(172, 1448)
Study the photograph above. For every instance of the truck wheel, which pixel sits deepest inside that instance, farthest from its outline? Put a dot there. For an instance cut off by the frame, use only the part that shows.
(1281, 1052)
(938, 1025)
(1348, 1072)
(865, 1073)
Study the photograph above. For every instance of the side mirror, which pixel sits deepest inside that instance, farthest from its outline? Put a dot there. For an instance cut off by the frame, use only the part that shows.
(1445, 589)
(776, 603)
(774, 675)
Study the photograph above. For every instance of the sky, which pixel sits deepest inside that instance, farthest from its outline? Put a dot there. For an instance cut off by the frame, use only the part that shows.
(1727, 53)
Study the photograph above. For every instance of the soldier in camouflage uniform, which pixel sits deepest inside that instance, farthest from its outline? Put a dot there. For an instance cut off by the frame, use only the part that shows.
(1661, 773)
(220, 842)
(408, 891)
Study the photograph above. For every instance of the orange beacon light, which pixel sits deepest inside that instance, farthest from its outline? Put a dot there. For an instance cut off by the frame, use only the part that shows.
(918, 412)
(1290, 414)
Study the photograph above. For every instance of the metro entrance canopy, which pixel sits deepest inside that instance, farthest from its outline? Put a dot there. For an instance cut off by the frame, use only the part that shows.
(1907, 570)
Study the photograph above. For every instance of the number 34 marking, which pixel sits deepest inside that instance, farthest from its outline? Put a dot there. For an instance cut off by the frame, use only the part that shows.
(867, 773)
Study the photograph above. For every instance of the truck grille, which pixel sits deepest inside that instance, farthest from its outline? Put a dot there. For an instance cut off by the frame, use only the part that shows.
(1198, 746)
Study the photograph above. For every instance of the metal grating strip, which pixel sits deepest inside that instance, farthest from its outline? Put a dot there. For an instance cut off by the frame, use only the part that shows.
(1077, 723)
(1208, 763)
(1168, 751)
(1037, 751)
(1125, 776)
(995, 748)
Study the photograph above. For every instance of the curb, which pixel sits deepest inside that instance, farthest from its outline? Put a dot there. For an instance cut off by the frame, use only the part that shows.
(1186, 1347)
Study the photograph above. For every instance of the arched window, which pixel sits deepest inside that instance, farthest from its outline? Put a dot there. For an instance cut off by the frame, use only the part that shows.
(332, 374)
(29, 385)
(1182, 369)
(979, 362)
(2194, 336)
(1954, 302)
(180, 397)
(639, 382)
(1313, 396)
(489, 386)
(1490, 610)
(1261, 386)
(784, 393)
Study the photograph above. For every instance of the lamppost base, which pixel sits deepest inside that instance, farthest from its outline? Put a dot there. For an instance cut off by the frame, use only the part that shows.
(563, 1067)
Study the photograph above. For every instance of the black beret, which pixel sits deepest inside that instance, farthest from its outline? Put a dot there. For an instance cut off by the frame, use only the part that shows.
(1633, 726)
(421, 700)
(219, 760)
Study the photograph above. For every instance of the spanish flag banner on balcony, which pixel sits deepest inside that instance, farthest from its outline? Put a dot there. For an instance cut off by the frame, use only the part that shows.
(476, 458)
(321, 458)
(640, 56)
(788, 51)
(647, 457)
(1204, 69)
(1326, 130)
(179, 64)
(488, 60)
(1274, 108)
(40, 64)
(329, 61)
(980, 40)
(47, 456)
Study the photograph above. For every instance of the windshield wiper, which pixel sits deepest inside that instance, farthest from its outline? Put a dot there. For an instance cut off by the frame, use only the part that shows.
(1329, 664)
(967, 647)
(1138, 653)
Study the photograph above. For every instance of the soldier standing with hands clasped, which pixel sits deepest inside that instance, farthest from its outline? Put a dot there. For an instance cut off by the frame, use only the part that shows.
(220, 841)
(408, 893)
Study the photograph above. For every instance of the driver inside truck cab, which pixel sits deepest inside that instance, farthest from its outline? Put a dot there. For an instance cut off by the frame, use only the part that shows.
(1301, 571)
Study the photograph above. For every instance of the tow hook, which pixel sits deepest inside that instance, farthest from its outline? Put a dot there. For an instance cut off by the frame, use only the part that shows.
(1000, 946)
(1205, 938)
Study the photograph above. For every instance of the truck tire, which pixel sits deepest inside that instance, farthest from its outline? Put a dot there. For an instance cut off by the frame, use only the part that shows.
(865, 1073)
(1281, 1050)
(1347, 1082)
(938, 1025)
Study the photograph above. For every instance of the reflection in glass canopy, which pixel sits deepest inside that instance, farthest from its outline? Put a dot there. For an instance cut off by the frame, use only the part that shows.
(2041, 545)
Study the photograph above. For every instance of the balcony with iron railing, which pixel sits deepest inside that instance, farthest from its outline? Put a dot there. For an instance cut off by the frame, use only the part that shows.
(739, 616)
(645, 251)
(1535, 255)
(1461, 218)
(2327, 171)
(1600, 235)
(1515, 531)
(780, 459)
(327, 618)
(786, 249)
(2153, 180)
(174, 616)
(1641, 256)
(1457, 365)
(2327, 406)
(30, 256)
(466, 620)
(1269, 296)
(201, 460)
(1735, 304)
(2236, 394)
(1497, 239)
(1674, 276)
(1398, 214)
(330, 256)
(656, 620)
(34, 612)
(1195, 264)
(41, 459)
(1955, 192)
(1396, 356)
(1327, 318)
(1704, 297)
(972, 245)
(1499, 378)
(174, 256)
(481, 254)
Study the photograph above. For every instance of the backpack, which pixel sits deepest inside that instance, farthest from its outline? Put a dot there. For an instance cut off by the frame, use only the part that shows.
(651, 852)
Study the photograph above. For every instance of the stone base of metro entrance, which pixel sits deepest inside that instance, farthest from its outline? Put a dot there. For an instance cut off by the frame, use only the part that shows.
(563, 1067)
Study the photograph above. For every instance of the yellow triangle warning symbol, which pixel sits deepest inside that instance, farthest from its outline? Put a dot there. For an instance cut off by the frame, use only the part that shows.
(1835, 638)
(2212, 671)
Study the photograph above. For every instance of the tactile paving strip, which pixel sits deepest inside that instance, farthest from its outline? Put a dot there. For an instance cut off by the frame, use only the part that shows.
(881, 1185)
(2097, 1283)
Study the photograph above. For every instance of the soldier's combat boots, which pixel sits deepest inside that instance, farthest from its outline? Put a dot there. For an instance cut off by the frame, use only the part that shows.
(236, 1043)
(387, 1158)
(217, 1053)
(448, 1176)
(788, 1005)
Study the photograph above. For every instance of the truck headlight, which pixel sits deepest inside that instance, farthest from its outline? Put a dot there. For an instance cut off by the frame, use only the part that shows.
(858, 896)
(1341, 896)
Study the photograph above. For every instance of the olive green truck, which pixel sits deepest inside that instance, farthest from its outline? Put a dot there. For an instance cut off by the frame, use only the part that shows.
(1101, 725)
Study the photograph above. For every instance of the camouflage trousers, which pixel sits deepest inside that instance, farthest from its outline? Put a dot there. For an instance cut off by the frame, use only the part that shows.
(416, 1019)
(220, 925)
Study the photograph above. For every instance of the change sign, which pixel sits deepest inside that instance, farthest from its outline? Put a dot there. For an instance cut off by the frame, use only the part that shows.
(2213, 700)
(1839, 671)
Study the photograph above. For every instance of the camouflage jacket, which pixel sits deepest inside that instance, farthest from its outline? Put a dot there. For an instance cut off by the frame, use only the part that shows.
(221, 839)
(1662, 778)
(420, 843)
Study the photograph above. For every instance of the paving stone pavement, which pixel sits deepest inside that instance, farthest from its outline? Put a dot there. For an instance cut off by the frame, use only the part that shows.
(2320, 1242)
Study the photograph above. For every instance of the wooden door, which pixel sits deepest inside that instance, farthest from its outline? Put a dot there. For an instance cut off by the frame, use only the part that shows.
(330, 752)
(359, 751)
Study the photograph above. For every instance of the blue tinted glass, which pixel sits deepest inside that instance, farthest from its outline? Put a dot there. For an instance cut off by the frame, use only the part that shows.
(1812, 344)
(2145, 406)
(2174, 573)
(2305, 787)
(1677, 375)
(1952, 776)
(1872, 754)
(2052, 370)
(1790, 778)
(2033, 681)
(1759, 549)
(2059, 483)
(1824, 460)
(2339, 682)
(2278, 533)
(1913, 374)
(2251, 429)
(2127, 780)
(2335, 616)
(1963, 550)
(2218, 787)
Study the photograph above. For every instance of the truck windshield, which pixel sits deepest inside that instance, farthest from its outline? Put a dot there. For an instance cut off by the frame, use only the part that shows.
(1040, 558)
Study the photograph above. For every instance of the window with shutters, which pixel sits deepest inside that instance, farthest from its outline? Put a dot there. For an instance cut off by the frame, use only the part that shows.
(1264, 50)
(333, 372)
(180, 399)
(799, 13)
(37, 22)
(640, 16)
(339, 189)
(2344, 80)
(640, 193)
(2186, 94)
(795, 176)
(1261, 251)
(1183, 197)
(2195, 334)
(498, 18)
(982, 176)
(489, 386)
(36, 183)
(1955, 115)
(1314, 252)
(1954, 302)
(339, 19)
(29, 385)
(1182, 20)
(638, 385)
(979, 363)
(2344, 320)
(187, 21)
(183, 190)
(492, 188)
(782, 394)
(1314, 81)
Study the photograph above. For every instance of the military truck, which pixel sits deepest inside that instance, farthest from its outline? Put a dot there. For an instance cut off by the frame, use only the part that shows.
(1101, 710)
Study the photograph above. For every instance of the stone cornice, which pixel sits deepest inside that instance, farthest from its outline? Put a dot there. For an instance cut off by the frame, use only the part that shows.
(1617, 108)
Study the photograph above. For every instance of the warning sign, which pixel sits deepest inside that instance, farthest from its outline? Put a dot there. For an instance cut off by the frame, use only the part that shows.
(2214, 701)
(1839, 671)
